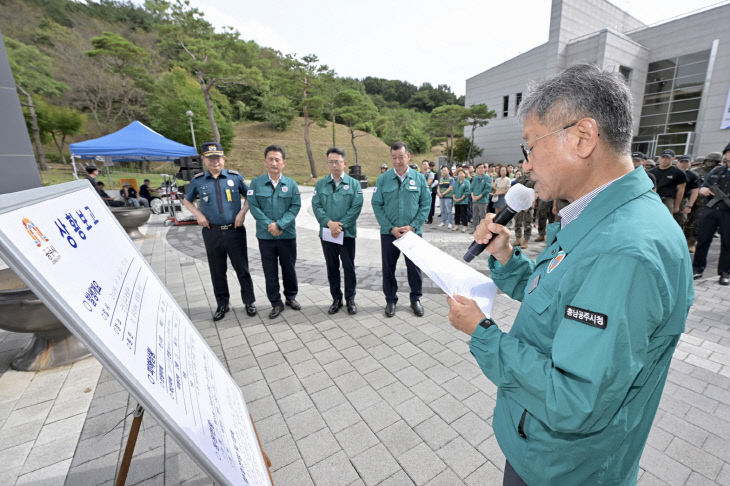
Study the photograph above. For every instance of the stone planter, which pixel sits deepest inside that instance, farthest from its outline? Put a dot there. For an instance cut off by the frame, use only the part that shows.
(52, 344)
(131, 219)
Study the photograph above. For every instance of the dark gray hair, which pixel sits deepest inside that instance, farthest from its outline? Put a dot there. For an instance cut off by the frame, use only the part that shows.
(336, 150)
(275, 148)
(399, 145)
(584, 91)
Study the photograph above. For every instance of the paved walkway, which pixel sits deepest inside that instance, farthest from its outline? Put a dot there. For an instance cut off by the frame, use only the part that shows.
(342, 400)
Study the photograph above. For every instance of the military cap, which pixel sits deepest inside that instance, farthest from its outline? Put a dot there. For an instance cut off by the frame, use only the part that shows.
(713, 157)
(211, 149)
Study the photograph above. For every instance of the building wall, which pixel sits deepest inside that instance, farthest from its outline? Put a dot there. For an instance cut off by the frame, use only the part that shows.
(17, 162)
(597, 31)
(692, 34)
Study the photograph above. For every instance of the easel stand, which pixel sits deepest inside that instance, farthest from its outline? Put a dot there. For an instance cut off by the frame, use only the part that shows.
(132, 442)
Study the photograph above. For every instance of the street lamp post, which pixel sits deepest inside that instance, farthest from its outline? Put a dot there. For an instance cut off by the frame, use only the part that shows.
(189, 114)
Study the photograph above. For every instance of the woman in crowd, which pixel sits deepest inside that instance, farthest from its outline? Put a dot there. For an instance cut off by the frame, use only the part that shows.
(445, 190)
(500, 186)
(462, 189)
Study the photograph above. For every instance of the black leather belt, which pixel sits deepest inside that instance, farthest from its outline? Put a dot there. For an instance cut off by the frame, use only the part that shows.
(222, 227)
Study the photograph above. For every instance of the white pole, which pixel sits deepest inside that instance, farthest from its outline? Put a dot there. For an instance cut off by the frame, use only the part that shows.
(73, 163)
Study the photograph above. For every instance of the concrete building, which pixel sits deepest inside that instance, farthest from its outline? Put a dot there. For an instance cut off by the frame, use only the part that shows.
(677, 70)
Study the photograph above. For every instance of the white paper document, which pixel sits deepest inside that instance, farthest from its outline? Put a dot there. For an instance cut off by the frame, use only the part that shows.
(327, 236)
(453, 276)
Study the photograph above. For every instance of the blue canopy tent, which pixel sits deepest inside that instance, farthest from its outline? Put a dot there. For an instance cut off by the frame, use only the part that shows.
(134, 142)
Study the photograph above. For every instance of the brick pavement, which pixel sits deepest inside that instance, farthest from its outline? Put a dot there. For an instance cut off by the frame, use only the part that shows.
(342, 400)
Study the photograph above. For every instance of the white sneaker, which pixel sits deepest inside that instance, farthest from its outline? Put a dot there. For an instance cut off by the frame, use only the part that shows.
(441, 224)
(464, 230)
(450, 226)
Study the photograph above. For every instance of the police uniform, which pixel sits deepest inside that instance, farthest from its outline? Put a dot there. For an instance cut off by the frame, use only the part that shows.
(220, 202)
(400, 203)
(715, 215)
(279, 204)
(581, 372)
(480, 186)
(339, 202)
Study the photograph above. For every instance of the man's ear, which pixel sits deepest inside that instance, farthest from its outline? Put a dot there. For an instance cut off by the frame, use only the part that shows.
(587, 131)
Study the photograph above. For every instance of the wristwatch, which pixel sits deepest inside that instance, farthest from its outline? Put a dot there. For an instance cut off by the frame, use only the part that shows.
(487, 322)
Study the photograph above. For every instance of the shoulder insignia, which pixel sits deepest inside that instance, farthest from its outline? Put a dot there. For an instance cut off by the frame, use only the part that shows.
(234, 172)
(199, 174)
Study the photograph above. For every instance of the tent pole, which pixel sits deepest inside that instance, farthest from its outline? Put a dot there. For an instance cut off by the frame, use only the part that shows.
(73, 164)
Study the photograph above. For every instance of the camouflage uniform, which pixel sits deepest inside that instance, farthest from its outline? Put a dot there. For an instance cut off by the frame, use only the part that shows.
(523, 219)
(693, 221)
(545, 216)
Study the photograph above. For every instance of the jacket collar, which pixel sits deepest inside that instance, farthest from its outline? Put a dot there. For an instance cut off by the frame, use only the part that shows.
(223, 174)
(625, 189)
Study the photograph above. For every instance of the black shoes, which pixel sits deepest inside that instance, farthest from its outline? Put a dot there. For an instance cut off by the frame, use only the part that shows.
(220, 312)
(335, 307)
(390, 309)
(251, 309)
(275, 311)
(293, 304)
(417, 308)
(697, 274)
(724, 278)
(351, 307)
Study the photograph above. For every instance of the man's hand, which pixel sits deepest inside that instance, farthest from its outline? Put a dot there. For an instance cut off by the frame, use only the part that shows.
(240, 218)
(706, 191)
(274, 229)
(396, 231)
(464, 314)
(335, 228)
(500, 248)
(202, 220)
(675, 210)
(687, 210)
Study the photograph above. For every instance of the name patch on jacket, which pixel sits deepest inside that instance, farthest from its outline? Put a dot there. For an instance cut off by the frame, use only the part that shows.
(586, 317)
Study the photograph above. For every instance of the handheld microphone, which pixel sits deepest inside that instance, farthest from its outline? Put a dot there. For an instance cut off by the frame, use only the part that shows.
(518, 198)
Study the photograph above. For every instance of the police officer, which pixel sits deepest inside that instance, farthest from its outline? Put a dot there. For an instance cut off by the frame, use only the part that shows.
(275, 203)
(221, 215)
(337, 202)
(670, 185)
(401, 201)
(715, 214)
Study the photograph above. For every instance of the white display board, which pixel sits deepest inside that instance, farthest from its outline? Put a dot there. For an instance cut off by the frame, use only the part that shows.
(70, 250)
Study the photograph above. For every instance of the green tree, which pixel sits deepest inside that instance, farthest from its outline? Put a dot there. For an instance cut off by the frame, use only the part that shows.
(302, 83)
(463, 150)
(59, 123)
(277, 110)
(33, 74)
(128, 65)
(477, 116)
(357, 112)
(446, 121)
(177, 92)
(211, 57)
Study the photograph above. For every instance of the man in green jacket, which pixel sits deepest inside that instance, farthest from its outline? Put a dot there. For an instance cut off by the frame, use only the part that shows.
(481, 187)
(581, 372)
(337, 202)
(401, 201)
(274, 202)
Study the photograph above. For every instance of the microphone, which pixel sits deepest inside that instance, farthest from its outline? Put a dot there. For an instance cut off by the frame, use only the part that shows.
(518, 198)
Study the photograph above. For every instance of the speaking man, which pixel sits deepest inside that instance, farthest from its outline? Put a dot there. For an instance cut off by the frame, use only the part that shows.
(221, 215)
(337, 202)
(401, 201)
(582, 370)
(275, 202)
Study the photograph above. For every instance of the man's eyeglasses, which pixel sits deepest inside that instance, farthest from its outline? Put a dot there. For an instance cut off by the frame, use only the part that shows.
(526, 150)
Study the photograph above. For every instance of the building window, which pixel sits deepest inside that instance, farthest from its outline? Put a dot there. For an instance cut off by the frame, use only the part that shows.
(625, 72)
(518, 100)
(671, 103)
(505, 106)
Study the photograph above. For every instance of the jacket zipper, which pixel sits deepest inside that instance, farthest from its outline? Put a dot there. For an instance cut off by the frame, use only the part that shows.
(521, 427)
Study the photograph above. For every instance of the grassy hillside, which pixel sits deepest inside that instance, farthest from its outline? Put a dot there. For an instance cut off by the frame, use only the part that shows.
(251, 138)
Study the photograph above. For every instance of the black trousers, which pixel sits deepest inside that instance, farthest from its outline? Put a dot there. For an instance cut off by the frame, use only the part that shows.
(511, 478)
(230, 243)
(333, 253)
(283, 252)
(461, 214)
(389, 255)
(710, 220)
(433, 206)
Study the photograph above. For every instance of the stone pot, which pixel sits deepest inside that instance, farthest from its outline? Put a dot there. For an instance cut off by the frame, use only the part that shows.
(131, 219)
